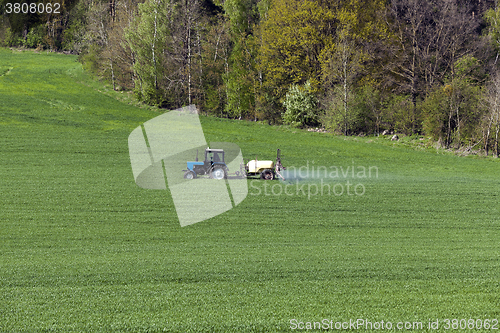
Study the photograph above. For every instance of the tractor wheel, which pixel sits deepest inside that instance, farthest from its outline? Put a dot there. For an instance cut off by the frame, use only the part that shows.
(218, 173)
(190, 175)
(267, 175)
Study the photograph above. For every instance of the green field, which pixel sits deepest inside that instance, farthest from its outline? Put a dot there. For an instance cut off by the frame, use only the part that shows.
(84, 249)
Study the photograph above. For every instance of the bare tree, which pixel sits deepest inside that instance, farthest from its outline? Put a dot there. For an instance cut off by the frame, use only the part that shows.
(410, 21)
(430, 36)
(453, 38)
(117, 52)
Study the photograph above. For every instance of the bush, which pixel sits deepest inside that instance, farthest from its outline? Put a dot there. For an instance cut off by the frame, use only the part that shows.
(452, 113)
(73, 37)
(340, 115)
(404, 115)
(34, 38)
(300, 104)
(90, 58)
(368, 110)
(12, 39)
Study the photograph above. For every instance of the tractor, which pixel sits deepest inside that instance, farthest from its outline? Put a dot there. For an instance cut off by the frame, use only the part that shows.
(213, 165)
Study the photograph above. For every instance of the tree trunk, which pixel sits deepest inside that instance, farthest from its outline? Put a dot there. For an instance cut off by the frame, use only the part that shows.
(345, 60)
(496, 140)
(112, 9)
(188, 26)
(448, 132)
(112, 73)
(153, 46)
(487, 139)
(200, 90)
(457, 109)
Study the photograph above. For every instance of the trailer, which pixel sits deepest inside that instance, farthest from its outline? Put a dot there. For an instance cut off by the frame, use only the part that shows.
(267, 170)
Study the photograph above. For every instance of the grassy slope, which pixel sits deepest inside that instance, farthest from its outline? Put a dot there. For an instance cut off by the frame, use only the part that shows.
(84, 249)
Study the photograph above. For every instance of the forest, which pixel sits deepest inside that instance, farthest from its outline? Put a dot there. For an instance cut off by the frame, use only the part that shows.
(353, 67)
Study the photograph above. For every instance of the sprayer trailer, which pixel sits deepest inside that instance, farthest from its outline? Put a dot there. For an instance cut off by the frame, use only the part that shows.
(267, 170)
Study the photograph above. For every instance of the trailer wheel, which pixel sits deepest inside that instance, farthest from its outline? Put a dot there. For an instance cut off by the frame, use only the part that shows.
(189, 175)
(218, 173)
(267, 175)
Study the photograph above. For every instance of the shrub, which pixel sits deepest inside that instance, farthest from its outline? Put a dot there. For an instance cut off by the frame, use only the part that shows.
(300, 104)
(34, 38)
(12, 39)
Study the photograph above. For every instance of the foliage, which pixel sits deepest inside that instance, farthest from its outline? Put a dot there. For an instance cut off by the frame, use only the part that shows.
(91, 59)
(293, 36)
(11, 39)
(238, 58)
(491, 119)
(148, 40)
(337, 117)
(74, 37)
(215, 64)
(369, 107)
(241, 78)
(452, 112)
(402, 114)
(434, 109)
(312, 40)
(241, 81)
(492, 17)
(301, 106)
(35, 37)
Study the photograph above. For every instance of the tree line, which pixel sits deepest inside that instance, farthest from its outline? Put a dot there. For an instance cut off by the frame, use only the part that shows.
(426, 67)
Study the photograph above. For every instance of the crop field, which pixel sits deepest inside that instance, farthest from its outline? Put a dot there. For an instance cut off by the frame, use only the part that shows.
(84, 249)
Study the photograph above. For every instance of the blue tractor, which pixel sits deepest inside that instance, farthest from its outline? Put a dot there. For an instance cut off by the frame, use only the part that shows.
(213, 165)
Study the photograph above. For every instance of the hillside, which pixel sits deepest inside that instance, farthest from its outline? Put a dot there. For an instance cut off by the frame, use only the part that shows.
(84, 249)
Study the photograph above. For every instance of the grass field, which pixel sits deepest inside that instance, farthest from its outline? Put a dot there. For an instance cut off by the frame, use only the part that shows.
(83, 249)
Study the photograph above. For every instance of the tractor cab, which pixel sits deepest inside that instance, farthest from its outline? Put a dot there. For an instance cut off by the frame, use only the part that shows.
(214, 156)
(213, 165)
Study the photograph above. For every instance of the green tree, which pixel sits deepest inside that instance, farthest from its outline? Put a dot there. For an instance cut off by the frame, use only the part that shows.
(340, 70)
(401, 113)
(293, 37)
(492, 18)
(215, 64)
(147, 39)
(491, 119)
(452, 111)
(302, 40)
(337, 117)
(241, 79)
(368, 105)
